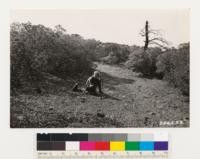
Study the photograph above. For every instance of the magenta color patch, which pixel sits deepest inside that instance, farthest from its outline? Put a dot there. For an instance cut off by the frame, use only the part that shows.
(87, 145)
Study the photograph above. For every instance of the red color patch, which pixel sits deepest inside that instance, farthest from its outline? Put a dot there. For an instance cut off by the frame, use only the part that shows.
(102, 146)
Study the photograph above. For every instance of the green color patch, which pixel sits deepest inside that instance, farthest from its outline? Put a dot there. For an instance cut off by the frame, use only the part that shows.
(132, 146)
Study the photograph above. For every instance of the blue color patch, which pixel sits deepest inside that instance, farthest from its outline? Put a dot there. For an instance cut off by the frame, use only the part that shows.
(146, 146)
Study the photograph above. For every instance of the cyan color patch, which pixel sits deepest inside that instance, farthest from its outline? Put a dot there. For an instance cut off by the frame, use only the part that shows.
(146, 146)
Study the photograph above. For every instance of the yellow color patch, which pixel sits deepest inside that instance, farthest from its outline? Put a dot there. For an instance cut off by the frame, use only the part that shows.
(117, 146)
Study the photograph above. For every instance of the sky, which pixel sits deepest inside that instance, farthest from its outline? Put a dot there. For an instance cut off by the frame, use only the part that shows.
(118, 26)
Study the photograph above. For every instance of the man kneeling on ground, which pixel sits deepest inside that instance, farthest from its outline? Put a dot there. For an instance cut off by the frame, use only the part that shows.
(93, 83)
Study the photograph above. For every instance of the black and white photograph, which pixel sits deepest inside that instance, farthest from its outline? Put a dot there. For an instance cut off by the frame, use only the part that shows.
(106, 68)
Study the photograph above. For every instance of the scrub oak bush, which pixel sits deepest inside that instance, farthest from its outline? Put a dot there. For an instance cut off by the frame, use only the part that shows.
(116, 53)
(174, 64)
(36, 49)
(144, 61)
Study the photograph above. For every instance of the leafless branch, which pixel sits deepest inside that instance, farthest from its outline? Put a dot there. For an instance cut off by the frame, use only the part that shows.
(142, 32)
(159, 39)
(158, 44)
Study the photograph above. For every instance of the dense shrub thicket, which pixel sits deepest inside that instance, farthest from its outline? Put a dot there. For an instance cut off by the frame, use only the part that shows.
(36, 49)
(174, 64)
(115, 53)
(144, 61)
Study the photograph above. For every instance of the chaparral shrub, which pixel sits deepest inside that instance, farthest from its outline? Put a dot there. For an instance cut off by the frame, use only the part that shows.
(174, 64)
(144, 61)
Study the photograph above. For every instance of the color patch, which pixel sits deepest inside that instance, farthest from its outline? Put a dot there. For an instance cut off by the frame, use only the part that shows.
(132, 146)
(95, 137)
(58, 146)
(117, 146)
(43, 137)
(103, 146)
(146, 146)
(161, 146)
(109, 137)
(133, 137)
(44, 146)
(119, 137)
(87, 145)
(73, 145)
(146, 137)
(69, 137)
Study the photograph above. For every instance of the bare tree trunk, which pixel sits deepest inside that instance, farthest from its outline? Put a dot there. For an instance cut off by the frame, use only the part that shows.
(156, 38)
(146, 36)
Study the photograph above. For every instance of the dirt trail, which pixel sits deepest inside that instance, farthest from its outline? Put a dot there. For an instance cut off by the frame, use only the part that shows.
(145, 102)
(130, 101)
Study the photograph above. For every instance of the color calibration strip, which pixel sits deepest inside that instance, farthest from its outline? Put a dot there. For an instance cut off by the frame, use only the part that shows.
(103, 146)
(137, 145)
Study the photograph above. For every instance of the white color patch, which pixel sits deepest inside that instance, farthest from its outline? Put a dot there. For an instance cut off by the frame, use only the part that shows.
(72, 145)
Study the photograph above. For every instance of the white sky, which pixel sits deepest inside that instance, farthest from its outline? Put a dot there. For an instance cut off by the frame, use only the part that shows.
(120, 26)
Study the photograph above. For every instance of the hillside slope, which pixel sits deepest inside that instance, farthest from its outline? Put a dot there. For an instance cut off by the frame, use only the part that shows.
(129, 101)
